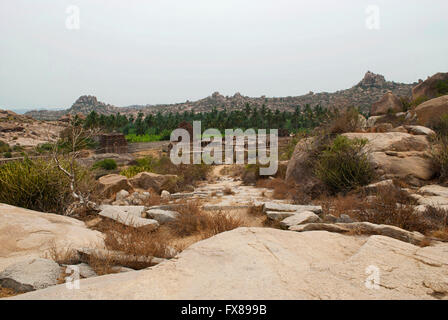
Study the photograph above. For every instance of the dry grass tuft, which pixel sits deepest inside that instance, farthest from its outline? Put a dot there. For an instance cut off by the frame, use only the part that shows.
(132, 242)
(284, 191)
(194, 221)
(65, 255)
(256, 211)
(341, 204)
(6, 292)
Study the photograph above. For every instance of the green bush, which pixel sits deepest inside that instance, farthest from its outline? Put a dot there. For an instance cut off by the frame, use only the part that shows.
(38, 185)
(7, 155)
(106, 164)
(442, 87)
(344, 164)
(44, 147)
(4, 147)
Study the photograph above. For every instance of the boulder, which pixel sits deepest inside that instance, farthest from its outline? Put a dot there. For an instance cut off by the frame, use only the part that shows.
(431, 111)
(428, 88)
(165, 195)
(377, 185)
(389, 103)
(402, 166)
(129, 216)
(420, 130)
(112, 183)
(299, 169)
(300, 218)
(434, 190)
(162, 216)
(30, 234)
(398, 155)
(392, 141)
(85, 271)
(279, 215)
(31, 274)
(365, 228)
(273, 206)
(149, 180)
(266, 264)
(135, 211)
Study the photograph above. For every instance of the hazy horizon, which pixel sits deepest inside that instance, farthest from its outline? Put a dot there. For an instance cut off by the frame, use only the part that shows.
(163, 52)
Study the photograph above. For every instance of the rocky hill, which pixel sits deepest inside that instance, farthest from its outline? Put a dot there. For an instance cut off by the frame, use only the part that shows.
(368, 91)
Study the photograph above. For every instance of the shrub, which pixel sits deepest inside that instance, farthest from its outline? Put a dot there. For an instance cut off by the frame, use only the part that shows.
(44, 148)
(393, 206)
(251, 173)
(4, 147)
(439, 148)
(287, 153)
(348, 120)
(442, 87)
(39, 185)
(344, 165)
(7, 155)
(106, 164)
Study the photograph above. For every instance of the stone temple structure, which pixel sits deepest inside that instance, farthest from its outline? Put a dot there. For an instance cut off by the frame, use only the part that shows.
(112, 143)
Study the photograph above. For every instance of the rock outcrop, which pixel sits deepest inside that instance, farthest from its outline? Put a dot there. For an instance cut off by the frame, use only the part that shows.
(432, 110)
(430, 87)
(30, 234)
(254, 263)
(397, 154)
(299, 167)
(389, 103)
(149, 180)
(31, 274)
(109, 185)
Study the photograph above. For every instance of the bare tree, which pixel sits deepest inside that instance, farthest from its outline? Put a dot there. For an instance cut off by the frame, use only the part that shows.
(73, 139)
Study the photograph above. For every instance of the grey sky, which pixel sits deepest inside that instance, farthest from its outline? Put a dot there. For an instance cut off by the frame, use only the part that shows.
(166, 51)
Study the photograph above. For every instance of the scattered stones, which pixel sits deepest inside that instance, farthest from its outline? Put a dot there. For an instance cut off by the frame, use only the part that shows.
(121, 195)
(300, 218)
(149, 180)
(30, 274)
(85, 271)
(366, 228)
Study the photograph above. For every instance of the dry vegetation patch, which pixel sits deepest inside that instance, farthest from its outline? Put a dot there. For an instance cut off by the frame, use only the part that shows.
(194, 221)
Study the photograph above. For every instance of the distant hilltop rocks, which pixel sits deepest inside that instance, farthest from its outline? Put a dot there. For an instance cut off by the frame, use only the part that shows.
(368, 91)
(83, 105)
(372, 80)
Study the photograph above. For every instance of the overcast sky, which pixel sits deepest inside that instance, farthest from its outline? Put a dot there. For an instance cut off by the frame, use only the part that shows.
(166, 51)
